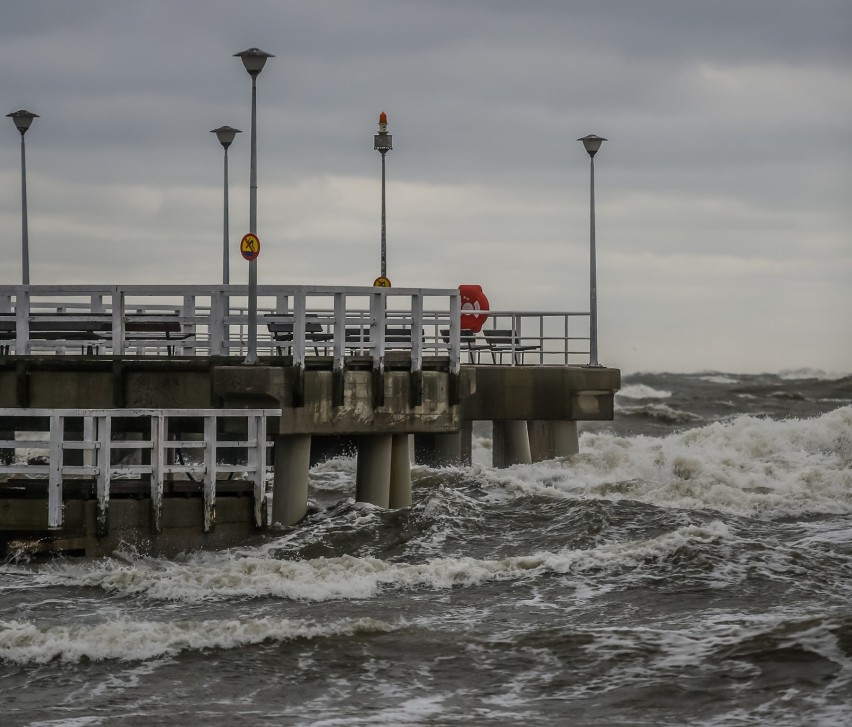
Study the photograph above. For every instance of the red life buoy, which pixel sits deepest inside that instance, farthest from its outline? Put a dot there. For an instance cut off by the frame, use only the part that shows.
(473, 299)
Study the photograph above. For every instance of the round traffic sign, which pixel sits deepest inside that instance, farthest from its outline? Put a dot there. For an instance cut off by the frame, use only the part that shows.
(250, 246)
(381, 282)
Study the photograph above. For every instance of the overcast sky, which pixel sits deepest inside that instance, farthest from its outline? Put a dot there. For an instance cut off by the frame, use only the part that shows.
(724, 191)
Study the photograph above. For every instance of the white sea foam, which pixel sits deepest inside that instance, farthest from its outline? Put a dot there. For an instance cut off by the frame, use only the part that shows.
(227, 575)
(642, 391)
(810, 373)
(25, 642)
(744, 466)
(719, 379)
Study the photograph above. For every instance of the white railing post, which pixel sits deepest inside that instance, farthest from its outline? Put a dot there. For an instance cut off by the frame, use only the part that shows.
(117, 322)
(416, 332)
(22, 321)
(378, 302)
(217, 330)
(454, 345)
(104, 473)
(90, 440)
(55, 505)
(256, 424)
(339, 331)
(299, 318)
(209, 494)
(188, 325)
(158, 462)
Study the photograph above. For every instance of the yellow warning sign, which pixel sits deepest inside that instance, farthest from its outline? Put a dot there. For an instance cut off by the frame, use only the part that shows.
(381, 282)
(250, 246)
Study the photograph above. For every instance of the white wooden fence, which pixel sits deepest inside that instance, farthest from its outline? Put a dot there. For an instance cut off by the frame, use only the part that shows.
(98, 444)
(294, 321)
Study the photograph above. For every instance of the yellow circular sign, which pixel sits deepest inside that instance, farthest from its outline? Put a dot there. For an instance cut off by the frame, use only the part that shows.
(250, 246)
(381, 282)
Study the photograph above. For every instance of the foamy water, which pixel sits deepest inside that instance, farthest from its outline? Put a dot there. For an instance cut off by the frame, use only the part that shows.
(692, 565)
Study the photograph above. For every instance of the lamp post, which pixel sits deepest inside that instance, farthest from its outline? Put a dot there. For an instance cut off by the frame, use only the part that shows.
(22, 120)
(383, 143)
(592, 143)
(225, 135)
(253, 59)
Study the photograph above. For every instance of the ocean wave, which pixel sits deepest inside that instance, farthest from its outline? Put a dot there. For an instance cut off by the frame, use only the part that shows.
(744, 466)
(25, 642)
(642, 391)
(226, 575)
(719, 379)
(660, 412)
(812, 373)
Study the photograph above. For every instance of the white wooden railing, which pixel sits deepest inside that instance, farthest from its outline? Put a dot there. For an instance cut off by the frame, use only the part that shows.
(213, 321)
(46, 432)
(294, 321)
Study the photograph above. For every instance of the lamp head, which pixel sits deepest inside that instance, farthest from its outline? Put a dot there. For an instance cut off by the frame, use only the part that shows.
(383, 141)
(225, 135)
(254, 59)
(592, 143)
(22, 119)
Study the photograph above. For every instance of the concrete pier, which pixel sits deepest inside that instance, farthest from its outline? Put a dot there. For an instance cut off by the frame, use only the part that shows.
(534, 410)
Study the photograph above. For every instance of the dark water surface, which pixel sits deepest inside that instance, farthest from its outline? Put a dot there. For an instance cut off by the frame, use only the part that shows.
(692, 565)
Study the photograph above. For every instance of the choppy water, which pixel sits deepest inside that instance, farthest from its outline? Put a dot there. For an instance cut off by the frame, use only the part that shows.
(692, 565)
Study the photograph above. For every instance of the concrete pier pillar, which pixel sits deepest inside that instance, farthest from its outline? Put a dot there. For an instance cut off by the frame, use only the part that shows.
(442, 450)
(292, 460)
(549, 439)
(510, 443)
(400, 471)
(372, 476)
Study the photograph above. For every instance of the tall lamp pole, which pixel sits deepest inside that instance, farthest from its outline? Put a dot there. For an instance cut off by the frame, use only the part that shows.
(592, 143)
(253, 59)
(225, 135)
(383, 143)
(22, 120)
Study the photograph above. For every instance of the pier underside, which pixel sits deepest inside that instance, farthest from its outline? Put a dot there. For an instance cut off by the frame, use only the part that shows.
(388, 417)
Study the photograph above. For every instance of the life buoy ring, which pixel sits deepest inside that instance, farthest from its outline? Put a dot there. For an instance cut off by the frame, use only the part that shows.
(473, 299)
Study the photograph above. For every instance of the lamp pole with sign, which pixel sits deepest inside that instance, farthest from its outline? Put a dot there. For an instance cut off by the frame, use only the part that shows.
(225, 135)
(253, 59)
(592, 143)
(23, 119)
(383, 143)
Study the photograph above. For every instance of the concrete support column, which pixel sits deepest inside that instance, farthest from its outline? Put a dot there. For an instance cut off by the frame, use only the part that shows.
(292, 459)
(549, 439)
(441, 450)
(400, 471)
(510, 443)
(372, 477)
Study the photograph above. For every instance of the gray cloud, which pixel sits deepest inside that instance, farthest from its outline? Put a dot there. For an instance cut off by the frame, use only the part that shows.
(727, 170)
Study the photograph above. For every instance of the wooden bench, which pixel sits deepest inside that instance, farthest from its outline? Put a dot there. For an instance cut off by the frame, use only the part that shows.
(468, 341)
(154, 329)
(502, 341)
(90, 331)
(60, 328)
(282, 334)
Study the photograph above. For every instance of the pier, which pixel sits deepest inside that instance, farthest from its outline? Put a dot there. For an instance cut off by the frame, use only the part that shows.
(128, 414)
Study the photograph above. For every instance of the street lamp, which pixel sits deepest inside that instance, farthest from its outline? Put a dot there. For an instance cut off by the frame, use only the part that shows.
(225, 135)
(253, 59)
(383, 143)
(22, 120)
(592, 143)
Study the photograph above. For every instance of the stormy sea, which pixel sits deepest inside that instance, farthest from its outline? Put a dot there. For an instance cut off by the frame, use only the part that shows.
(692, 565)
